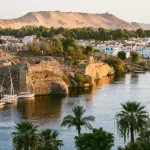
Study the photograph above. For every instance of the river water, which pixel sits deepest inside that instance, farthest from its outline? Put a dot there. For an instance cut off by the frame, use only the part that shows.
(103, 102)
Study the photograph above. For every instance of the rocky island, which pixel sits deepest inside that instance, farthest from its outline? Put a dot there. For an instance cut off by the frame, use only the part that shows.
(47, 76)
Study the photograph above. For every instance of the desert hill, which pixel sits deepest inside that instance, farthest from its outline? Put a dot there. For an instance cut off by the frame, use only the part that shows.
(145, 26)
(68, 20)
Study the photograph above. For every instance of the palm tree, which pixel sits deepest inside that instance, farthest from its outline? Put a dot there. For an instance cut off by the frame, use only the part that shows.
(25, 138)
(78, 120)
(131, 120)
(48, 140)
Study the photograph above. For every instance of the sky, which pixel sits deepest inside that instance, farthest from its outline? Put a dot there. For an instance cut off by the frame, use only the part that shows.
(128, 10)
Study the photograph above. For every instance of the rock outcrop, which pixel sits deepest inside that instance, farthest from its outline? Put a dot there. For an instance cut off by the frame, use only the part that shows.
(98, 70)
(58, 88)
(46, 77)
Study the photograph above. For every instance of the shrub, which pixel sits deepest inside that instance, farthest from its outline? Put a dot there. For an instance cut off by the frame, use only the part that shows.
(77, 62)
(97, 140)
(134, 56)
(122, 55)
(117, 64)
(81, 78)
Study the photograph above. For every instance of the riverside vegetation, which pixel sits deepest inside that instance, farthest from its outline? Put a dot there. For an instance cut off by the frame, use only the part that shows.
(131, 120)
(77, 33)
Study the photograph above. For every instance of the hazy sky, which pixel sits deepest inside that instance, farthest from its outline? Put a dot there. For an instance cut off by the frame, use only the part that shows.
(129, 10)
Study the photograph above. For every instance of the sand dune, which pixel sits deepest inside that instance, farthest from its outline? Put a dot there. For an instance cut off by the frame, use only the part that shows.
(68, 20)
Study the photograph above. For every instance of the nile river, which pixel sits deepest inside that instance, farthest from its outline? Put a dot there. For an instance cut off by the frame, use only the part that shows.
(102, 101)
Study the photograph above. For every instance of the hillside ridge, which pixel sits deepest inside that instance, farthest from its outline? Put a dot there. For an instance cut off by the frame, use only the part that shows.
(68, 20)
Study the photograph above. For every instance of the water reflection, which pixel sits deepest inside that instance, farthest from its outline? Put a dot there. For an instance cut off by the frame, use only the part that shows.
(40, 108)
(49, 107)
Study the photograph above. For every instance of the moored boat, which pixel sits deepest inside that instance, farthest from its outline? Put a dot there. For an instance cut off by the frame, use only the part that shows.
(2, 104)
(139, 71)
(26, 95)
(6, 100)
(12, 97)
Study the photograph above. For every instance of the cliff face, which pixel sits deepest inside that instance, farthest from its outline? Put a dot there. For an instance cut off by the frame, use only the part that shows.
(98, 70)
(68, 20)
(46, 78)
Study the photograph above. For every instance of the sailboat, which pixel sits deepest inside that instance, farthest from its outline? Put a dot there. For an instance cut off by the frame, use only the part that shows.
(11, 97)
(27, 95)
(2, 100)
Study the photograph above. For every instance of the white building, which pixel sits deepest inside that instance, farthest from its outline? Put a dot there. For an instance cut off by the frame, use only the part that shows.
(9, 38)
(27, 39)
(132, 48)
(146, 41)
(100, 47)
(145, 53)
(127, 54)
(112, 50)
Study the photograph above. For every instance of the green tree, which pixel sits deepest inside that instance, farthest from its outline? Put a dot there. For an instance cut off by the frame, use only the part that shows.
(116, 63)
(56, 45)
(140, 33)
(25, 138)
(77, 119)
(142, 143)
(89, 50)
(78, 51)
(48, 140)
(131, 119)
(70, 51)
(47, 49)
(97, 140)
(34, 48)
(135, 56)
(117, 34)
(132, 146)
(69, 42)
(122, 55)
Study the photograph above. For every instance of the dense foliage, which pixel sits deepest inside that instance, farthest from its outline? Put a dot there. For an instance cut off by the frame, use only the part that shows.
(64, 47)
(131, 120)
(48, 140)
(97, 140)
(135, 56)
(77, 33)
(142, 143)
(122, 55)
(25, 137)
(116, 63)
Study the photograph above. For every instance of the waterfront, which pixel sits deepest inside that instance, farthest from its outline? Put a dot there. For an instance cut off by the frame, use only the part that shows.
(102, 102)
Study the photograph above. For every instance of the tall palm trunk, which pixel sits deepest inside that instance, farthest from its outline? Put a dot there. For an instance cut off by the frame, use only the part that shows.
(79, 131)
(132, 135)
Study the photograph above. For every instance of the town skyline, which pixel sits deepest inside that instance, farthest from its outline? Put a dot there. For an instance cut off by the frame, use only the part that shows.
(126, 10)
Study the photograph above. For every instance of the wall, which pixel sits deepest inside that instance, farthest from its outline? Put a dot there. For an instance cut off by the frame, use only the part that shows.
(45, 74)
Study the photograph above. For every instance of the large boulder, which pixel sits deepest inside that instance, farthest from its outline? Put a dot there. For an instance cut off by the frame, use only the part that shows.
(58, 88)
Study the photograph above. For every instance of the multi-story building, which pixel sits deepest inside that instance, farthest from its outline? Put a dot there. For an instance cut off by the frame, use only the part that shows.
(145, 53)
(112, 50)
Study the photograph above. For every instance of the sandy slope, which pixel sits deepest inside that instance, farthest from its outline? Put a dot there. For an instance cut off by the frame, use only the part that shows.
(145, 26)
(68, 20)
